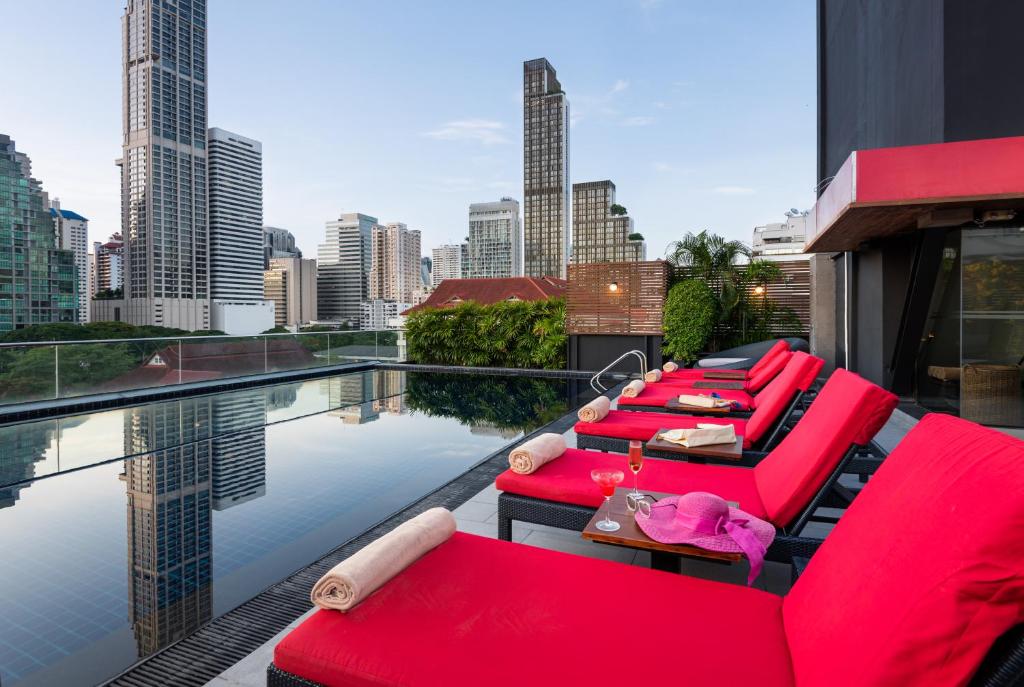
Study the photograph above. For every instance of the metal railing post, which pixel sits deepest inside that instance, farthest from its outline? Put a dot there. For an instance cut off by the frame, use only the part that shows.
(266, 366)
(328, 348)
(56, 371)
(181, 359)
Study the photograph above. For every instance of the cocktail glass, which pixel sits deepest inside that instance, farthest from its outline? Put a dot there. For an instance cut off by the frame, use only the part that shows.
(607, 480)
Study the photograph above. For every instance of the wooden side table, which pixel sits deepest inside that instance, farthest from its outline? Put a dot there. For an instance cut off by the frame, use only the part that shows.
(731, 452)
(675, 406)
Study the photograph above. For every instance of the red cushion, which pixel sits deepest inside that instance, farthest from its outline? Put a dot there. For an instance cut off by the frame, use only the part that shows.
(566, 479)
(624, 424)
(776, 397)
(780, 346)
(924, 571)
(848, 410)
(767, 373)
(478, 611)
(657, 395)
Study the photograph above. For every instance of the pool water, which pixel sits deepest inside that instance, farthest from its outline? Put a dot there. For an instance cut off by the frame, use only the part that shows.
(105, 559)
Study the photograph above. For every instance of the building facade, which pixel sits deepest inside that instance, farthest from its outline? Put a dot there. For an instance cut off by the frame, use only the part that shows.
(495, 239)
(278, 243)
(37, 279)
(394, 262)
(343, 268)
(781, 240)
(164, 164)
(378, 313)
(72, 233)
(446, 263)
(291, 284)
(108, 264)
(236, 234)
(546, 202)
(601, 229)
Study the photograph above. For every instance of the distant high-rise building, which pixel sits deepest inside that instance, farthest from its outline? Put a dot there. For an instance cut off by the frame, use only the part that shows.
(546, 202)
(446, 263)
(378, 313)
(495, 239)
(72, 233)
(108, 264)
(601, 229)
(782, 240)
(163, 164)
(278, 243)
(37, 279)
(238, 450)
(343, 268)
(426, 264)
(291, 284)
(236, 234)
(394, 262)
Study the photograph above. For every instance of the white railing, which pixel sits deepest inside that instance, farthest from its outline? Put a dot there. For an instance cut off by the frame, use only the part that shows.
(595, 381)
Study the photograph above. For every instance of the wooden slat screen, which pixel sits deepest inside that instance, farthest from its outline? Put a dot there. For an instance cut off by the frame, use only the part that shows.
(793, 291)
(634, 308)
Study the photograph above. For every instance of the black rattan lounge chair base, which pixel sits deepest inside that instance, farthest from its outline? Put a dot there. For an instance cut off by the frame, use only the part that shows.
(278, 678)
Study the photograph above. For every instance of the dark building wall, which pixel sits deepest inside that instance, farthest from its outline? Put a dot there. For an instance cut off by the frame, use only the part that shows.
(592, 352)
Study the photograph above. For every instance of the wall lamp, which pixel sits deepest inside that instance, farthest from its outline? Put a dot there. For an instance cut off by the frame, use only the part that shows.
(613, 287)
(759, 290)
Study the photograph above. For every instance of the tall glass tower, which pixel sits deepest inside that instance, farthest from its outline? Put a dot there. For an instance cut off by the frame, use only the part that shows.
(546, 203)
(163, 164)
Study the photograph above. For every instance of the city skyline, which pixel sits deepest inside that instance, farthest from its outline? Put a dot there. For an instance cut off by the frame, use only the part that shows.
(675, 124)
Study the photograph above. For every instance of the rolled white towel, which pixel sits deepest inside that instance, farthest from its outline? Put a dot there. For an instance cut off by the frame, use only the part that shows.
(704, 434)
(702, 401)
(652, 376)
(362, 573)
(633, 389)
(670, 367)
(528, 457)
(595, 411)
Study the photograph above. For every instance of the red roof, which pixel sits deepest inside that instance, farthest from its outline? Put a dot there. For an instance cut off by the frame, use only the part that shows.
(451, 292)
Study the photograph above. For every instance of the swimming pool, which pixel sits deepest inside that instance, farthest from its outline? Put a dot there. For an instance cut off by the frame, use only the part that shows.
(106, 559)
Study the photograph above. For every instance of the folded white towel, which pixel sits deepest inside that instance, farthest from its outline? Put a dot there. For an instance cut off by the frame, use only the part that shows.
(633, 389)
(362, 573)
(702, 401)
(702, 435)
(529, 456)
(670, 367)
(653, 376)
(595, 411)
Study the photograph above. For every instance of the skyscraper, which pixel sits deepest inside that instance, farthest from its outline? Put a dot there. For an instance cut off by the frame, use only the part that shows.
(164, 164)
(546, 208)
(343, 268)
(291, 284)
(278, 243)
(108, 259)
(236, 234)
(72, 233)
(37, 279)
(495, 239)
(394, 262)
(601, 229)
(446, 263)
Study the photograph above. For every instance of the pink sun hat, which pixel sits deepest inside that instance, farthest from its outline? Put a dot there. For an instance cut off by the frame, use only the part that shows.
(706, 521)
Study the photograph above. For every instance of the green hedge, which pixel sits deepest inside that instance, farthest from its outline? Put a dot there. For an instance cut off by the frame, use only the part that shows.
(524, 334)
(690, 315)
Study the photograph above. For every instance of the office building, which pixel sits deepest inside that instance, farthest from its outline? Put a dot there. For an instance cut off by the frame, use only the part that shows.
(446, 263)
(164, 165)
(37, 279)
(278, 243)
(426, 264)
(394, 262)
(238, 449)
(291, 284)
(236, 235)
(495, 239)
(72, 233)
(601, 229)
(108, 264)
(378, 313)
(343, 268)
(781, 241)
(546, 208)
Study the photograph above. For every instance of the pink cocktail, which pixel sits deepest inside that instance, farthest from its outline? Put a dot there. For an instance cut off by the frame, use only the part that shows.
(606, 481)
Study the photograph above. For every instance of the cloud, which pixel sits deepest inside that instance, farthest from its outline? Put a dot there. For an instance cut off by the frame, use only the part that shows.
(733, 190)
(485, 131)
(649, 4)
(637, 121)
(620, 86)
(663, 167)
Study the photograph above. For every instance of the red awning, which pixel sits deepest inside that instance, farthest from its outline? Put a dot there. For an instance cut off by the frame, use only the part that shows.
(888, 191)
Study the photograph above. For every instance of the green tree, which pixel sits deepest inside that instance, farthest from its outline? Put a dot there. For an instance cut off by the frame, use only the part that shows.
(691, 312)
(617, 210)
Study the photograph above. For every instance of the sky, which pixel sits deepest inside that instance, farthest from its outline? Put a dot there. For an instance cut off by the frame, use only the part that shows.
(702, 113)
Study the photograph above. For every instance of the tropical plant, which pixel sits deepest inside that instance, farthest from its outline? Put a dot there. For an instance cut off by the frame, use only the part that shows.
(636, 236)
(524, 334)
(617, 210)
(691, 313)
(707, 256)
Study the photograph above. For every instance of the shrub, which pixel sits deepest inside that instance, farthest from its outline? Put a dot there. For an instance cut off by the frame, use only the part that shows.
(690, 317)
(524, 334)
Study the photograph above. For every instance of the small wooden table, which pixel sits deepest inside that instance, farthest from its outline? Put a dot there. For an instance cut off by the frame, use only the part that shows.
(720, 384)
(725, 374)
(675, 406)
(663, 556)
(733, 451)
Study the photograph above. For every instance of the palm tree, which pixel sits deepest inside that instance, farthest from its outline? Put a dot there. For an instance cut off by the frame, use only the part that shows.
(707, 256)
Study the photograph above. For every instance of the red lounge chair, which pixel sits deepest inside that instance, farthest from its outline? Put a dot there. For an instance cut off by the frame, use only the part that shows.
(697, 373)
(759, 431)
(785, 488)
(921, 583)
(656, 395)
